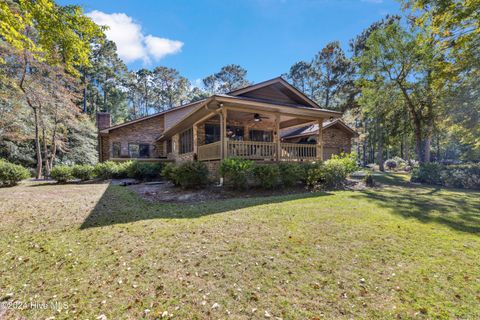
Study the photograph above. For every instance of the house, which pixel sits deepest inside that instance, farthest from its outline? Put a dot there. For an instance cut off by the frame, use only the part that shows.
(337, 136)
(246, 123)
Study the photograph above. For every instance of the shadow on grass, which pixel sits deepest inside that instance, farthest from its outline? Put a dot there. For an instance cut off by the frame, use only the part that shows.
(121, 205)
(457, 209)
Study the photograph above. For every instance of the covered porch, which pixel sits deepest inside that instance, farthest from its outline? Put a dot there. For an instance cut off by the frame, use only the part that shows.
(246, 129)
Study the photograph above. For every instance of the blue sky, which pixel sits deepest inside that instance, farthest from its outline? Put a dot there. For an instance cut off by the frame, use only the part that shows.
(198, 37)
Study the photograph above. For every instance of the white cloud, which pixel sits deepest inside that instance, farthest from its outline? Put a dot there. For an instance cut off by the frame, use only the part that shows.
(131, 43)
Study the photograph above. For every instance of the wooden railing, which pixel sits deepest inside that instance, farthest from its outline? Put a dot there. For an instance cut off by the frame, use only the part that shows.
(257, 150)
(210, 151)
(252, 150)
(296, 151)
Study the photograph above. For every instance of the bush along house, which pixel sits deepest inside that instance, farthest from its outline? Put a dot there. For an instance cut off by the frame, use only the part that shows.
(268, 121)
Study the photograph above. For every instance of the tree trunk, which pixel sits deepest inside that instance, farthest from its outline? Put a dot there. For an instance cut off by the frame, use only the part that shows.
(45, 153)
(38, 151)
(379, 135)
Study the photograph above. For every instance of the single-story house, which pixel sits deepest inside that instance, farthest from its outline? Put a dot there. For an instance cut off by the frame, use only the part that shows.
(246, 123)
(337, 136)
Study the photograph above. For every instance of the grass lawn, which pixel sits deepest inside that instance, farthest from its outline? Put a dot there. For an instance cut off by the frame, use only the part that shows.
(399, 251)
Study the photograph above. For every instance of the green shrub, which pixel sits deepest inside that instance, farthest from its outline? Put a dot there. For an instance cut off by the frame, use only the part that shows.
(83, 172)
(462, 176)
(191, 174)
(169, 172)
(144, 170)
(292, 173)
(106, 170)
(428, 173)
(122, 169)
(329, 174)
(347, 160)
(236, 172)
(62, 173)
(11, 174)
(266, 175)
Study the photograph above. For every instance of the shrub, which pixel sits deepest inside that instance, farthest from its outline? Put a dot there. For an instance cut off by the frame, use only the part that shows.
(191, 174)
(112, 170)
(329, 174)
(291, 173)
(169, 173)
(83, 172)
(347, 160)
(122, 169)
(144, 170)
(428, 173)
(462, 176)
(391, 164)
(11, 174)
(62, 173)
(266, 175)
(236, 172)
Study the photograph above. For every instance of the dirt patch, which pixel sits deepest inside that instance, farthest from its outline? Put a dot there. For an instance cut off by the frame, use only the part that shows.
(167, 192)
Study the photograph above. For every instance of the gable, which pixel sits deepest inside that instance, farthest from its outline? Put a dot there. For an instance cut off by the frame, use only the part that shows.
(276, 91)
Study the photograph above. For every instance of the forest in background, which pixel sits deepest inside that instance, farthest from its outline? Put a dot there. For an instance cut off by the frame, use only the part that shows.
(408, 84)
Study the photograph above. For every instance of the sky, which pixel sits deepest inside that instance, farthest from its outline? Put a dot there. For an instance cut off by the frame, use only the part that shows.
(199, 37)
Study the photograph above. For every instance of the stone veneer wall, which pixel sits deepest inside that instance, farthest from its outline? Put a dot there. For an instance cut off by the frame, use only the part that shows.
(145, 131)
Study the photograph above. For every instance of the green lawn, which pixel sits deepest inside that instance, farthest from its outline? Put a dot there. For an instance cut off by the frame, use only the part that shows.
(399, 251)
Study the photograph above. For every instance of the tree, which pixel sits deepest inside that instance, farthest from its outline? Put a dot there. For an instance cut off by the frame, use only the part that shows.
(170, 88)
(229, 78)
(305, 78)
(403, 61)
(335, 74)
(45, 36)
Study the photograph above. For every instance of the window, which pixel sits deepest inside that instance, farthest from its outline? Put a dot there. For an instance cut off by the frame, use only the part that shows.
(116, 149)
(133, 150)
(186, 141)
(136, 150)
(212, 133)
(144, 150)
(260, 135)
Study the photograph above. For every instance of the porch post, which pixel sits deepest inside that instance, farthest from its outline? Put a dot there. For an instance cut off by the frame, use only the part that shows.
(320, 140)
(277, 136)
(223, 133)
(195, 138)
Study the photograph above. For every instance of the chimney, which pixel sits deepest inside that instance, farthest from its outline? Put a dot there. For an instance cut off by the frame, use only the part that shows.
(103, 120)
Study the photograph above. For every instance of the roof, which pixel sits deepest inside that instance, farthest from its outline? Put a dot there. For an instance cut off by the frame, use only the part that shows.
(105, 130)
(278, 80)
(308, 105)
(313, 129)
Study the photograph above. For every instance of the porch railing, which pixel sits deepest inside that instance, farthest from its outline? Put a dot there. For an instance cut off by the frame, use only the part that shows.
(210, 151)
(254, 150)
(296, 151)
(257, 150)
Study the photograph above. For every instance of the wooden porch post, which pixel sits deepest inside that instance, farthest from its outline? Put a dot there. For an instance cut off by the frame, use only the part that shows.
(195, 138)
(223, 133)
(320, 140)
(277, 136)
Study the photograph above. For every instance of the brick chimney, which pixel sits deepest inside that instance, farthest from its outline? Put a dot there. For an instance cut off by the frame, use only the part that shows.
(104, 120)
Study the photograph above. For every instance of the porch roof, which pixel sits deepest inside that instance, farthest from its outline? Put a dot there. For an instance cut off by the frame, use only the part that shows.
(213, 104)
(313, 129)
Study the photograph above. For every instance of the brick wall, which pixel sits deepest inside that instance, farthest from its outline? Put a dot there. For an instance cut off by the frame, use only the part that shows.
(145, 131)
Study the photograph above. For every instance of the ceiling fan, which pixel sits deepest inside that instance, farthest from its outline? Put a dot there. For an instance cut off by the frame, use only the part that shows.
(257, 117)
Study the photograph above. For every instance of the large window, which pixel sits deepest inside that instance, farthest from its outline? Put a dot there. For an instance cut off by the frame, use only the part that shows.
(138, 150)
(116, 149)
(212, 133)
(260, 135)
(186, 141)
